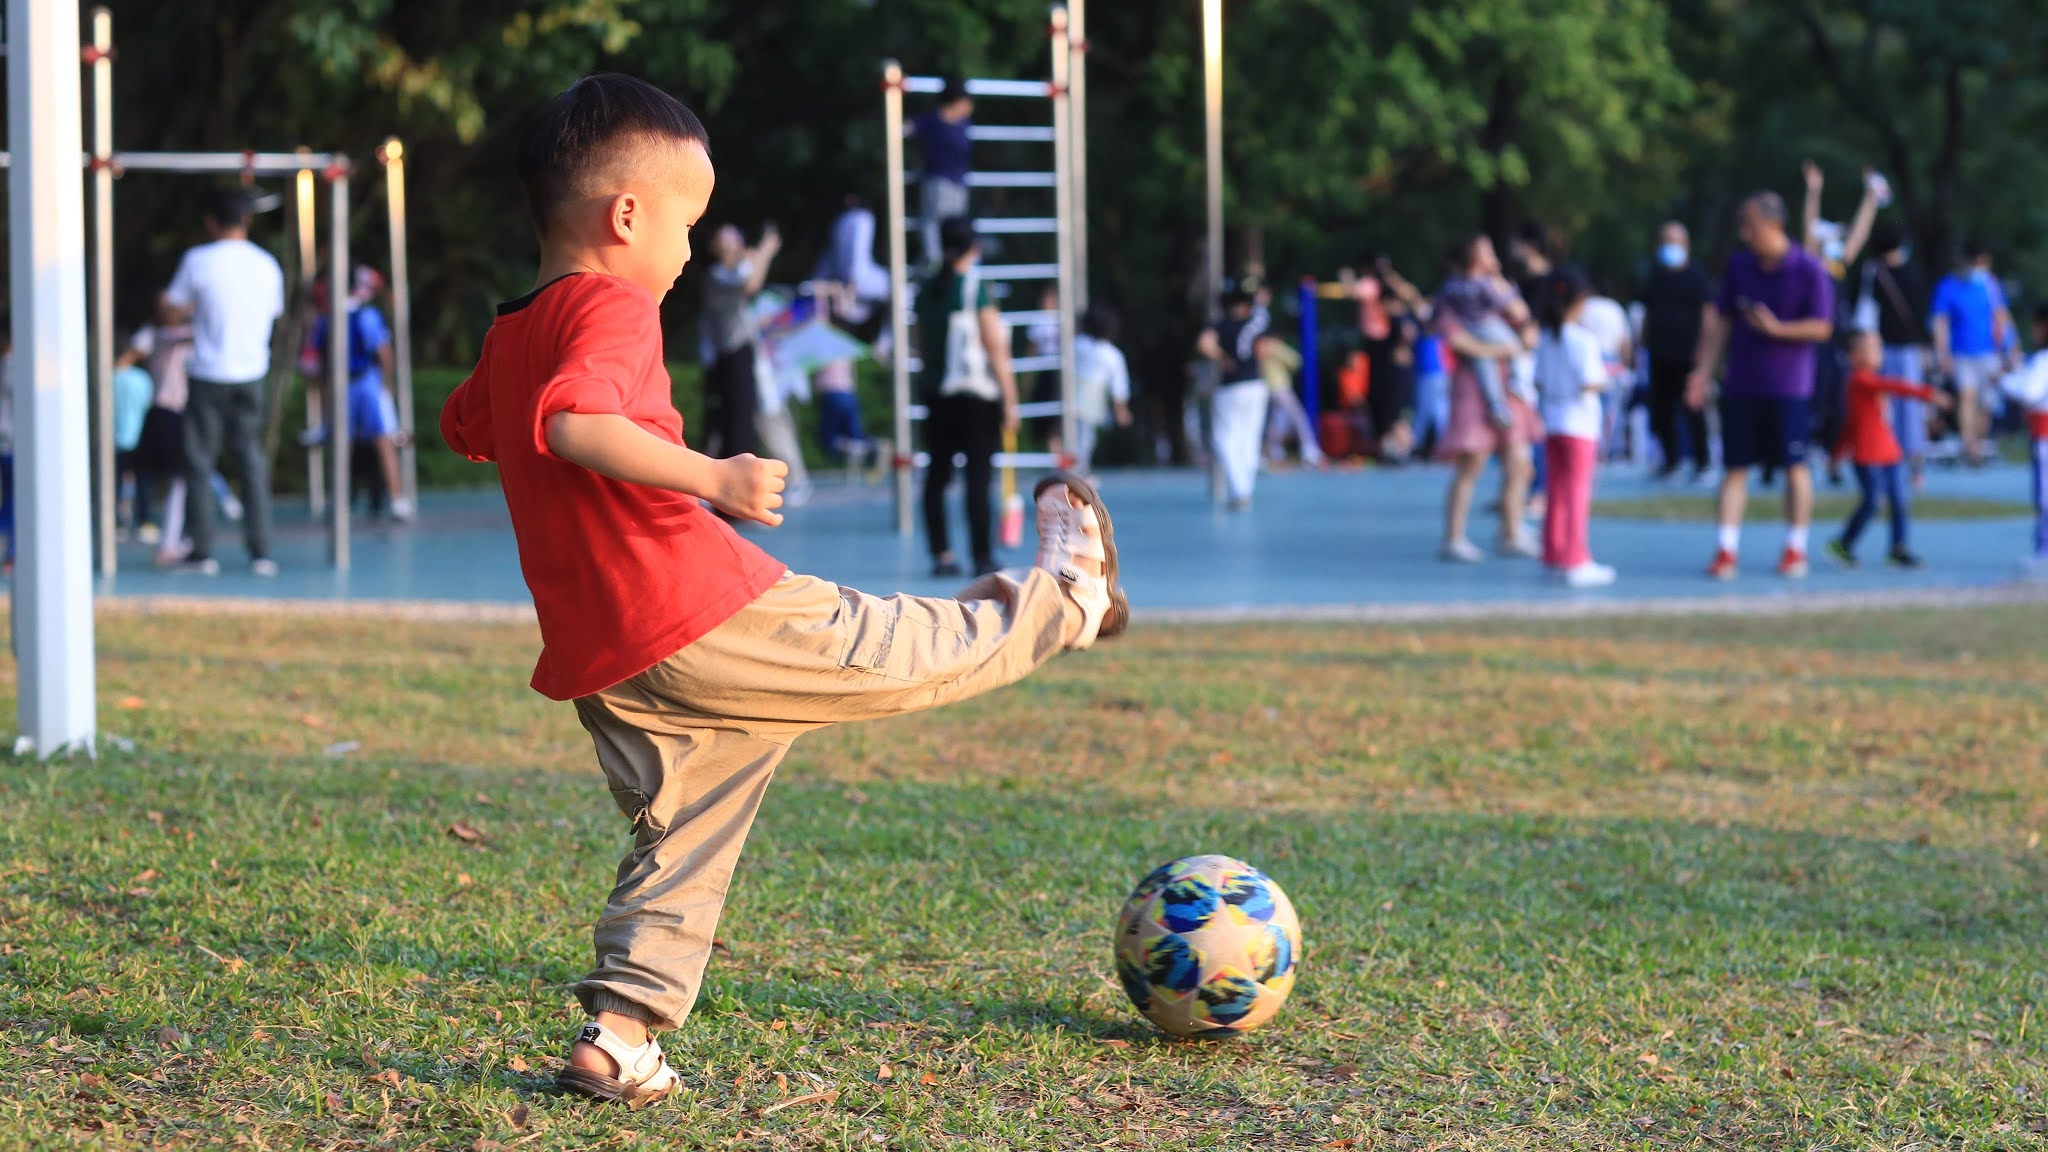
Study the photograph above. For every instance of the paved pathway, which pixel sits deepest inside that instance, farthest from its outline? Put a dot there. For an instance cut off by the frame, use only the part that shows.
(1315, 544)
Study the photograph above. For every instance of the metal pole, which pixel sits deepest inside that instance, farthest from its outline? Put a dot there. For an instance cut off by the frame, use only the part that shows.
(52, 591)
(1212, 75)
(899, 291)
(107, 489)
(305, 209)
(1077, 87)
(337, 369)
(393, 155)
(1311, 361)
(1063, 212)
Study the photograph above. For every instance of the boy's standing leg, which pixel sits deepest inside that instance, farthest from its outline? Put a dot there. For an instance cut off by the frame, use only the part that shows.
(1893, 478)
(1866, 507)
(688, 746)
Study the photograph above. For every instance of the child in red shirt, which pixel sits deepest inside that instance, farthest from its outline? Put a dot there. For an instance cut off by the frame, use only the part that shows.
(693, 658)
(1868, 443)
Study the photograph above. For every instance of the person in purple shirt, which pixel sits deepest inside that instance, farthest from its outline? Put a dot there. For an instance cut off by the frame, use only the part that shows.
(944, 143)
(1775, 308)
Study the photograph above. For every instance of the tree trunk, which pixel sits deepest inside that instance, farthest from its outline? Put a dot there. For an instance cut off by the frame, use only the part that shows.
(1943, 242)
(1501, 203)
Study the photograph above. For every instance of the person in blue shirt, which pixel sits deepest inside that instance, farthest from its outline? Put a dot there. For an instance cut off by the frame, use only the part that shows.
(1970, 323)
(372, 410)
(943, 142)
(134, 391)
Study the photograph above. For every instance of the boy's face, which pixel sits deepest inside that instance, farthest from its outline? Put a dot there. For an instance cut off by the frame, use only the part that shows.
(654, 212)
(1867, 352)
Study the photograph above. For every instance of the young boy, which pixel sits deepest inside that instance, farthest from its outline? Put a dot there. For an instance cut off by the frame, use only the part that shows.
(1868, 443)
(2028, 387)
(692, 657)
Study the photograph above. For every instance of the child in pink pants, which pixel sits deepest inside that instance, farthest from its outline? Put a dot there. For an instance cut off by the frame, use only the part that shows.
(1570, 376)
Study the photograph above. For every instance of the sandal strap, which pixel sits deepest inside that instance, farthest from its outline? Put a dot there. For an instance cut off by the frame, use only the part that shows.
(630, 1059)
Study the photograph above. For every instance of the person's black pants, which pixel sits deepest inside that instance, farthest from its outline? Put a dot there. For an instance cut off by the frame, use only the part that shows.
(970, 427)
(729, 402)
(222, 417)
(1681, 430)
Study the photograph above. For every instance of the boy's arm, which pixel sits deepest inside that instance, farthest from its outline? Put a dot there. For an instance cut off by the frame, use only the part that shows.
(1893, 387)
(613, 446)
(995, 340)
(2029, 385)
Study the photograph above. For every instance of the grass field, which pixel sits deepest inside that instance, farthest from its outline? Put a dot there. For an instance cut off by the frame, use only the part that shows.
(1830, 508)
(1627, 884)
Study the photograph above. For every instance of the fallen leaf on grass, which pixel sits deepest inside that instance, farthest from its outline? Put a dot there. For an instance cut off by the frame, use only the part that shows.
(927, 1079)
(885, 1072)
(131, 703)
(1649, 1058)
(169, 1036)
(468, 834)
(312, 721)
(464, 879)
(231, 963)
(518, 1064)
(1346, 1142)
(333, 1103)
(827, 1097)
(1116, 1043)
(145, 876)
(519, 1114)
(389, 1076)
(92, 1080)
(1344, 1071)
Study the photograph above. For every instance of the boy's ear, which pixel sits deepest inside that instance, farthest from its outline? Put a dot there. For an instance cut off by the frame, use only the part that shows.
(622, 217)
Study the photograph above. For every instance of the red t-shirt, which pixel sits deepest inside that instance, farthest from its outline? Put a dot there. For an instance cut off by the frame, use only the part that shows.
(623, 576)
(1866, 434)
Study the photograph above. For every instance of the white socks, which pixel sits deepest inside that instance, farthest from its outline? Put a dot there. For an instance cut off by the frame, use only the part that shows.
(1795, 538)
(1730, 536)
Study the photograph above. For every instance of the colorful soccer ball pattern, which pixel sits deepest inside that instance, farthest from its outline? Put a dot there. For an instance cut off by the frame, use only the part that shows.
(1207, 946)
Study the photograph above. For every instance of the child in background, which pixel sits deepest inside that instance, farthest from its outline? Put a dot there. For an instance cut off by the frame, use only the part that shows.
(1278, 362)
(1571, 377)
(165, 347)
(2028, 388)
(1867, 442)
(693, 657)
(133, 393)
(372, 406)
(1102, 384)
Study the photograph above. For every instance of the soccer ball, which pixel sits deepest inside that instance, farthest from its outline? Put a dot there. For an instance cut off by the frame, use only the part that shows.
(1207, 946)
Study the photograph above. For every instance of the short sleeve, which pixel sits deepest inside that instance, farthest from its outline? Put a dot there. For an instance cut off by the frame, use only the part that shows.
(1944, 298)
(371, 329)
(1587, 360)
(179, 294)
(982, 299)
(1821, 294)
(608, 342)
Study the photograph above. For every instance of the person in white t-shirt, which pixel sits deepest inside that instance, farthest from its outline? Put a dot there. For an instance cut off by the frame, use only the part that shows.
(1571, 376)
(1607, 320)
(232, 292)
(1102, 384)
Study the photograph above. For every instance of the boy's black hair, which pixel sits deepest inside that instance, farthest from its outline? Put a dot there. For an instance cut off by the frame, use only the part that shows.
(956, 236)
(228, 207)
(1100, 323)
(1561, 289)
(954, 91)
(575, 132)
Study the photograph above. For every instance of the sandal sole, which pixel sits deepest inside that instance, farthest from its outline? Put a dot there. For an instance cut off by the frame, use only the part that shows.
(597, 1086)
(1117, 617)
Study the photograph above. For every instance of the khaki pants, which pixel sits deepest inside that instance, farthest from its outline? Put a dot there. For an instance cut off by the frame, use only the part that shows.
(688, 746)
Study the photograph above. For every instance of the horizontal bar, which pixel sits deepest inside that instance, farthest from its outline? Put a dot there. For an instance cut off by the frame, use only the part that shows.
(1010, 179)
(1020, 364)
(936, 84)
(1022, 224)
(1002, 460)
(1029, 411)
(1032, 316)
(1019, 271)
(262, 163)
(1010, 132)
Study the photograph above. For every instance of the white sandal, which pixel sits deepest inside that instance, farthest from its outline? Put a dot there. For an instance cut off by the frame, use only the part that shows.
(644, 1076)
(1064, 535)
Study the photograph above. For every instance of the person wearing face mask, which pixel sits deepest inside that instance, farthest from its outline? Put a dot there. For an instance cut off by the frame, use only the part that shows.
(1674, 298)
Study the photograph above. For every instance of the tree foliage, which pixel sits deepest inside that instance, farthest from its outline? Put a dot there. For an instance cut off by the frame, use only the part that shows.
(1351, 128)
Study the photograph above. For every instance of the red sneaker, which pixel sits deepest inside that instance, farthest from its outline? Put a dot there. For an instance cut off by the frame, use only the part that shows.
(1723, 567)
(1792, 565)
